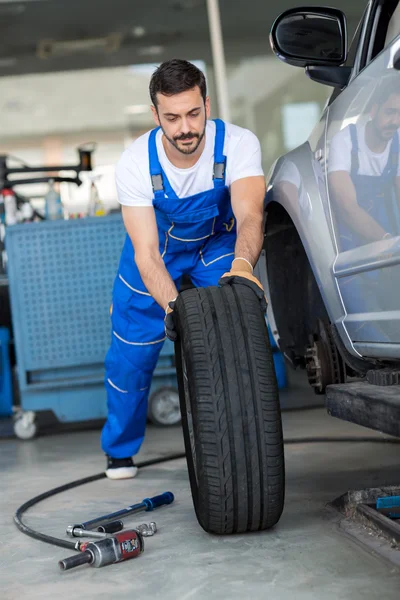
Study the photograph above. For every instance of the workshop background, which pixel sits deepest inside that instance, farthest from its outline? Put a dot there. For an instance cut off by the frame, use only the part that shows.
(79, 71)
(75, 74)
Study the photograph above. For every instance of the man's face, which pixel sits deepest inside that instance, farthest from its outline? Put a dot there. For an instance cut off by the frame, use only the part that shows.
(182, 118)
(386, 118)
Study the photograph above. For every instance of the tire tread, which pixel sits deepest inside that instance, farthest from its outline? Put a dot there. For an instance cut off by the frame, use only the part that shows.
(235, 406)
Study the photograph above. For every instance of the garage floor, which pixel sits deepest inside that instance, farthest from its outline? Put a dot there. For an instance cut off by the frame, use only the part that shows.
(307, 556)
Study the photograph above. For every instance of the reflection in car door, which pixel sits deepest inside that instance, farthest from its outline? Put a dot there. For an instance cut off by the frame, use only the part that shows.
(363, 175)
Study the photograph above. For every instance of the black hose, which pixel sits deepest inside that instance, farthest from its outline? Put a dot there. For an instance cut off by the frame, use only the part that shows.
(336, 439)
(37, 535)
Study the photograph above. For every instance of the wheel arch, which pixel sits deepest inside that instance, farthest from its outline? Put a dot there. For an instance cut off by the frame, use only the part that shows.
(296, 302)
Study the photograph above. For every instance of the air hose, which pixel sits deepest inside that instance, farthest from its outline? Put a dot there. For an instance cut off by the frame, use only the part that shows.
(37, 535)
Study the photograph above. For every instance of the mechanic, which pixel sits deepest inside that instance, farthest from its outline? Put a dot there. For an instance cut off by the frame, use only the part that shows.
(364, 172)
(192, 194)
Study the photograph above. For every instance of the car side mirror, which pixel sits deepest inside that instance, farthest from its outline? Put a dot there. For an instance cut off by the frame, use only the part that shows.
(310, 36)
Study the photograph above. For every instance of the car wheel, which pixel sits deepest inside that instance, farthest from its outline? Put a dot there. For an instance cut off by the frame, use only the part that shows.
(230, 409)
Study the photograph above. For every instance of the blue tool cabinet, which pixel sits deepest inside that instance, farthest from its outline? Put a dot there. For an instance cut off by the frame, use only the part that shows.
(60, 277)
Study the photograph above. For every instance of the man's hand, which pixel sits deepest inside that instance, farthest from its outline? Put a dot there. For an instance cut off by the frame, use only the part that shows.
(242, 272)
(169, 324)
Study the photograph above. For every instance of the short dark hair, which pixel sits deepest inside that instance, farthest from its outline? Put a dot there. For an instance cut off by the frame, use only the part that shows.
(174, 77)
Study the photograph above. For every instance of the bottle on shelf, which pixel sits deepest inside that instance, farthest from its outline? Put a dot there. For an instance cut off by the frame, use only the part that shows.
(10, 207)
(53, 204)
(95, 207)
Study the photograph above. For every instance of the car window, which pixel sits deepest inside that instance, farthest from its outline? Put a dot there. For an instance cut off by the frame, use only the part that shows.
(362, 151)
(393, 29)
(354, 43)
(377, 30)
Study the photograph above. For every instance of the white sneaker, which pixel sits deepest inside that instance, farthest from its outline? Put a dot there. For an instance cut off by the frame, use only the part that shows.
(120, 468)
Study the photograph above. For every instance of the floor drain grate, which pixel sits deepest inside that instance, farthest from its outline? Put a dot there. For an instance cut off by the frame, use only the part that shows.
(360, 506)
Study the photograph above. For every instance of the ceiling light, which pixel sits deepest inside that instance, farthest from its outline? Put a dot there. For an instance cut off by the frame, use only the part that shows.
(54, 48)
(7, 62)
(150, 50)
(138, 32)
(136, 109)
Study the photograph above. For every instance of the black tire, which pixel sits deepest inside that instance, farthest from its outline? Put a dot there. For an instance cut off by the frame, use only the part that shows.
(230, 410)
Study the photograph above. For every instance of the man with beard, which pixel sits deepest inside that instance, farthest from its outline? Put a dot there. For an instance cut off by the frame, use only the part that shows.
(192, 193)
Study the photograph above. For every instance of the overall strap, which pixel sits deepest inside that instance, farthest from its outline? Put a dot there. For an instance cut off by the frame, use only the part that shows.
(219, 158)
(393, 161)
(155, 167)
(355, 164)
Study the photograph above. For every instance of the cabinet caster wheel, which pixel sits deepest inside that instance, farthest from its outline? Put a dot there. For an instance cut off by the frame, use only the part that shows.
(164, 407)
(25, 427)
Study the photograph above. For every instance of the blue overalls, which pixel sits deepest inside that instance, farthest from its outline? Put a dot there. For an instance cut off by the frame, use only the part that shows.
(197, 237)
(376, 195)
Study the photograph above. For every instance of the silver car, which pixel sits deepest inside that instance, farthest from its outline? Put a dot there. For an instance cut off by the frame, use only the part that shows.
(332, 242)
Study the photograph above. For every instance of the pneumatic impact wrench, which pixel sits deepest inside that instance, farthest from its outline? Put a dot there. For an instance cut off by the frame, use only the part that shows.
(121, 546)
(116, 548)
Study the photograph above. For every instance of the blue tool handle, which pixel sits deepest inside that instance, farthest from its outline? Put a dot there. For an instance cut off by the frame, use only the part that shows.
(389, 506)
(156, 501)
(388, 502)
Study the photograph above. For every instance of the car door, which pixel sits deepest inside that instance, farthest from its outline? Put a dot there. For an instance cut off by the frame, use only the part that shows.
(363, 183)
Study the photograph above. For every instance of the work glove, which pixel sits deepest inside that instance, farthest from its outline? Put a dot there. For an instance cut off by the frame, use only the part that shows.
(169, 324)
(242, 272)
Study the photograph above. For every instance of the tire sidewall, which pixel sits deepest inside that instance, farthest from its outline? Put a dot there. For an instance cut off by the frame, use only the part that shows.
(195, 484)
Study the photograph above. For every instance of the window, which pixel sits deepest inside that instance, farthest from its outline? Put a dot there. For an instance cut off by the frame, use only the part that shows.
(376, 30)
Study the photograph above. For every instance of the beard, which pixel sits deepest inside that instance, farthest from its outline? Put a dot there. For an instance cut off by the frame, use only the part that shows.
(384, 133)
(184, 137)
(388, 132)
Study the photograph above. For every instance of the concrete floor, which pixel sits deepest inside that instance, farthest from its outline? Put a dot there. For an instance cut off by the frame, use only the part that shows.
(306, 557)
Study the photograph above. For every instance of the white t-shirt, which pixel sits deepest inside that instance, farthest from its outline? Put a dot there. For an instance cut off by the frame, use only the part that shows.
(370, 163)
(132, 173)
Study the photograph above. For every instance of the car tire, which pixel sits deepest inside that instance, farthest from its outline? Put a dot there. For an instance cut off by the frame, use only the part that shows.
(230, 409)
